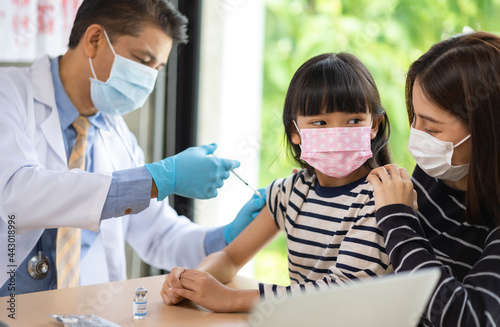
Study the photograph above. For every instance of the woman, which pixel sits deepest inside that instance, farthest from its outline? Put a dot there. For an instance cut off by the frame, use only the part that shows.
(453, 103)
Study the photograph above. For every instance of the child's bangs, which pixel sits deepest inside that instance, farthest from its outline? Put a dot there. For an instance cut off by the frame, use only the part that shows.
(334, 86)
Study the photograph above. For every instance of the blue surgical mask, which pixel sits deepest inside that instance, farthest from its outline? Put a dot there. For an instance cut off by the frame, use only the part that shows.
(127, 88)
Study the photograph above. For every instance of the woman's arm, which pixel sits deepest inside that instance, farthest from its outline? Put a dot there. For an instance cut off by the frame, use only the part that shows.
(473, 301)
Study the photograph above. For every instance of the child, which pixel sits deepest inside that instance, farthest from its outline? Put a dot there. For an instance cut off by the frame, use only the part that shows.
(337, 131)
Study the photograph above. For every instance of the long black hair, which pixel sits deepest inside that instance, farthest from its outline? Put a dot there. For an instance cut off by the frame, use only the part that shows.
(461, 75)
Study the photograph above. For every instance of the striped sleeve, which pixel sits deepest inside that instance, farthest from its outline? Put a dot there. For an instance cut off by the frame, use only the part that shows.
(475, 301)
(278, 195)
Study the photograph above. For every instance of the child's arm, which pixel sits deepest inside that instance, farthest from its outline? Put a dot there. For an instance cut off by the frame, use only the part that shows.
(225, 264)
(205, 290)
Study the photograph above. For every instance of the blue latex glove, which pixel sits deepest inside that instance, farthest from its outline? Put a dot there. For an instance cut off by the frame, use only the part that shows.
(246, 215)
(191, 173)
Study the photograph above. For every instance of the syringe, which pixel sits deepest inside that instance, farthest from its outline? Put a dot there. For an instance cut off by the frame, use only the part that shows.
(241, 179)
(248, 185)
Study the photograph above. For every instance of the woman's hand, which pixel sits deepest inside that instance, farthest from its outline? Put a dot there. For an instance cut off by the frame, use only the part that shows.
(392, 185)
(172, 280)
(203, 289)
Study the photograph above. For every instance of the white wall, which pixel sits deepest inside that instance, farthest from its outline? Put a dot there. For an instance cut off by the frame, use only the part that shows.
(32, 28)
(230, 98)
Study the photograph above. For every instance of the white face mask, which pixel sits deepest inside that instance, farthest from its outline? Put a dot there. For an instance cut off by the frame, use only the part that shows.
(434, 156)
(127, 88)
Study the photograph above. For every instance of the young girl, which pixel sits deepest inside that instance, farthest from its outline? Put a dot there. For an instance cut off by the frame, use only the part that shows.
(337, 131)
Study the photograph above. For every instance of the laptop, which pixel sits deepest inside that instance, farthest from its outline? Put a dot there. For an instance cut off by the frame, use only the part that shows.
(392, 300)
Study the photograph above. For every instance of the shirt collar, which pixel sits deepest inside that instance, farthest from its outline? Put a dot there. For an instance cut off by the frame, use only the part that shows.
(67, 111)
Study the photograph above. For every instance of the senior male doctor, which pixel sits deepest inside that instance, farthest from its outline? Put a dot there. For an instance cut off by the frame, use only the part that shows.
(69, 164)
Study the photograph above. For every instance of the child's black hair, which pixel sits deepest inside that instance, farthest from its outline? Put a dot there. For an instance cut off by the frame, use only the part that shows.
(335, 83)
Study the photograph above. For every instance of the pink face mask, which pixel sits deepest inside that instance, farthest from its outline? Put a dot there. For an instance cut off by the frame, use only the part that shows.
(335, 152)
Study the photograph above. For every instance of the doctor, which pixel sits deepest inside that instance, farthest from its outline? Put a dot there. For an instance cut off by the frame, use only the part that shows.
(69, 163)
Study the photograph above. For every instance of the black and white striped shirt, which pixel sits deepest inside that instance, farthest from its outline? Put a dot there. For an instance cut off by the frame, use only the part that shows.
(331, 233)
(468, 293)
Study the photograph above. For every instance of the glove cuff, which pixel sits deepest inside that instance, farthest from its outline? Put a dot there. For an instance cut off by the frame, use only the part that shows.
(227, 234)
(163, 173)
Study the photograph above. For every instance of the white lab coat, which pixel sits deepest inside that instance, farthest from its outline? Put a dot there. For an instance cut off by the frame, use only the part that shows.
(37, 188)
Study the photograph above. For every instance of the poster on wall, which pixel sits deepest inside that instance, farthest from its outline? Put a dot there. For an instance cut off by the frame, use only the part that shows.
(32, 28)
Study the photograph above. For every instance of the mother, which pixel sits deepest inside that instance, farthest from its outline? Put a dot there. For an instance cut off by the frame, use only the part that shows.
(453, 102)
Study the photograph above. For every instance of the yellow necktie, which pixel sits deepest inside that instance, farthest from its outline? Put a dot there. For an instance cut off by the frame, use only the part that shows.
(68, 243)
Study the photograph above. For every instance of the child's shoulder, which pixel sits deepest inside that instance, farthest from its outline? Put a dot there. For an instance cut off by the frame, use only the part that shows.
(363, 188)
(301, 178)
(365, 185)
(366, 188)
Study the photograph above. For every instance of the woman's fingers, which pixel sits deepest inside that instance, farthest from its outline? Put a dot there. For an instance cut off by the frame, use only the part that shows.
(387, 174)
(382, 174)
(404, 174)
(375, 181)
(393, 171)
(415, 200)
(392, 185)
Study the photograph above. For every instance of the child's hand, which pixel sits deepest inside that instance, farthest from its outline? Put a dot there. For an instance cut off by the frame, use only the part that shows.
(172, 280)
(203, 289)
(392, 185)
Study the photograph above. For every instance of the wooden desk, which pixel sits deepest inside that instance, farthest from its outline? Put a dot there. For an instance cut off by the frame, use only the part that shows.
(113, 301)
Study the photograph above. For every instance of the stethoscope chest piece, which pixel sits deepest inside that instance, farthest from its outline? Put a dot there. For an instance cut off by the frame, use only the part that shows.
(39, 266)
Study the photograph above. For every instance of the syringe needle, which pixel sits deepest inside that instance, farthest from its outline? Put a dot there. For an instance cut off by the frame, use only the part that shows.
(241, 179)
(254, 190)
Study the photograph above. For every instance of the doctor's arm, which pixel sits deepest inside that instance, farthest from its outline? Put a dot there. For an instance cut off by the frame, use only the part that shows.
(205, 284)
(192, 173)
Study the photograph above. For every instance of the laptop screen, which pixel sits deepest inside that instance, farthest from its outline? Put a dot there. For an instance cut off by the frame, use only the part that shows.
(392, 300)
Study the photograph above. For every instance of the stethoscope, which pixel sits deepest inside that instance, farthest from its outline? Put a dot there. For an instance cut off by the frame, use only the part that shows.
(39, 264)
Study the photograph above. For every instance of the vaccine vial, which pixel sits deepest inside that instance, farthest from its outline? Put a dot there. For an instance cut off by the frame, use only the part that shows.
(140, 303)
